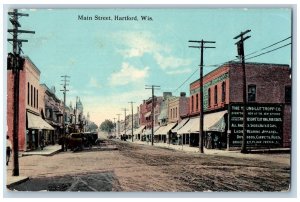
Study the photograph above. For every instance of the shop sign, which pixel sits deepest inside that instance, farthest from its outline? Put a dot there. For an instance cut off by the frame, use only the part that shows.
(264, 125)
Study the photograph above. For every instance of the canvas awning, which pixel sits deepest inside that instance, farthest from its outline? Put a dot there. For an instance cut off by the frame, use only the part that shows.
(149, 130)
(191, 126)
(163, 130)
(209, 120)
(180, 125)
(36, 122)
(215, 121)
(139, 130)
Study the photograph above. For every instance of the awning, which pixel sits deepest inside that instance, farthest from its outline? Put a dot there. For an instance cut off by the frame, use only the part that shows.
(209, 120)
(36, 122)
(165, 129)
(147, 114)
(191, 126)
(149, 130)
(180, 125)
(215, 121)
(139, 130)
(128, 132)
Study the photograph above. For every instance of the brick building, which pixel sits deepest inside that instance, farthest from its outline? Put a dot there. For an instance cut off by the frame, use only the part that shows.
(31, 104)
(268, 106)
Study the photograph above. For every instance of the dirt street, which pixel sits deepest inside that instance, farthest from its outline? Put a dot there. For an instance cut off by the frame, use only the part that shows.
(145, 168)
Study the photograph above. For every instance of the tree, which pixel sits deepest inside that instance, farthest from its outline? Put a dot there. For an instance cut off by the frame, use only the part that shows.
(107, 126)
(92, 127)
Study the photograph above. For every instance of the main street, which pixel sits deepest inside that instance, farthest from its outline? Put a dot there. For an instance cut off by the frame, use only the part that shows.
(143, 168)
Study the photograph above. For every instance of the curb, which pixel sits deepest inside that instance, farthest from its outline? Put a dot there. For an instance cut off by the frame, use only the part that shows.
(41, 154)
(17, 182)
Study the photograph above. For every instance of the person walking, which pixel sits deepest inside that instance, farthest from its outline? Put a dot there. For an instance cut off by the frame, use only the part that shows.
(8, 149)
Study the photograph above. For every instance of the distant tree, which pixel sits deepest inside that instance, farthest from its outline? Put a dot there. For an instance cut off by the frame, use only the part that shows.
(93, 127)
(107, 126)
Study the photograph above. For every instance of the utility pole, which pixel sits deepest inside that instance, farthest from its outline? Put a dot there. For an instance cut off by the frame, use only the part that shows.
(131, 119)
(241, 55)
(201, 134)
(118, 124)
(152, 111)
(115, 127)
(64, 108)
(125, 120)
(15, 63)
(76, 113)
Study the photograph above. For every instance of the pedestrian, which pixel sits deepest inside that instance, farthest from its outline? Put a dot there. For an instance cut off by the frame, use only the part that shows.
(8, 149)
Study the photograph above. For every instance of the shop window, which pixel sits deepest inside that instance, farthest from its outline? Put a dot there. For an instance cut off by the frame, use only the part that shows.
(216, 94)
(251, 93)
(288, 94)
(223, 91)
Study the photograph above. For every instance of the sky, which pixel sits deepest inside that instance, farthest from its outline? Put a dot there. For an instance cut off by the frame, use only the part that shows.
(110, 62)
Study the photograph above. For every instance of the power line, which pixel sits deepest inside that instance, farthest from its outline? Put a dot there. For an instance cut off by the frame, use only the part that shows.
(235, 59)
(269, 51)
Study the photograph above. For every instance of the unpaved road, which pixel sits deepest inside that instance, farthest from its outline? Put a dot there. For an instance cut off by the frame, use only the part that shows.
(145, 168)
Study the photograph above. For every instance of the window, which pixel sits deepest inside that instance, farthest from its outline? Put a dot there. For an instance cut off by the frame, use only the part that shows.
(192, 103)
(34, 97)
(197, 99)
(288, 94)
(171, 113)
(28, 93)
(216, 94)
(176, 113)
(37, 99)
(31, 93)
(223, 91)
(208, 97)
(251, 93)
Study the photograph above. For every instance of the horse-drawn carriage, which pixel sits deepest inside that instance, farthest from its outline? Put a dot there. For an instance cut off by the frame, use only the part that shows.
(79, 141)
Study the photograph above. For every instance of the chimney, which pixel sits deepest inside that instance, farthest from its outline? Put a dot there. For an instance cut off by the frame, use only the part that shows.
(182, 94)
(166, 94)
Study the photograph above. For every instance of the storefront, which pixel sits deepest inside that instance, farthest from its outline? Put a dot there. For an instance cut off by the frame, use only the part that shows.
(36, 131)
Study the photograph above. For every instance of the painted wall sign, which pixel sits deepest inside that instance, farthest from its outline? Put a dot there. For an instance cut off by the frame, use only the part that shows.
(264, 125)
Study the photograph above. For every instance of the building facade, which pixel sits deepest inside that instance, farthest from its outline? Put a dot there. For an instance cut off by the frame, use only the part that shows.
(268, 105)
(31, 104)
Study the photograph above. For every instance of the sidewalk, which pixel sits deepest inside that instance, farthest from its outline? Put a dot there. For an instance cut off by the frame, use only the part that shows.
(47, 151)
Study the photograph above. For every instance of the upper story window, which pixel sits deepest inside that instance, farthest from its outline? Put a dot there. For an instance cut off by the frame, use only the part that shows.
(197, 100)
(208, 97)
(223, 91)
(216, 94)
(251, 93)
(31, 93)
(288, 94)
(192, 103)
(176, 112)
(28, 93)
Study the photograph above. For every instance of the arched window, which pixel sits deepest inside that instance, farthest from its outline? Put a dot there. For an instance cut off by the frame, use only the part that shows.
(209, 97)
(223, 91)
(216, 94)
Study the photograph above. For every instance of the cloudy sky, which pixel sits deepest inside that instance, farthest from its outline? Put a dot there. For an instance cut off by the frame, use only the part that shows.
(110, 62)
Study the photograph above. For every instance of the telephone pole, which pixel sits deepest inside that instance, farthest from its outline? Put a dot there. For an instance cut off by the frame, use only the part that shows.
(15, 63)
(124, 109)
(241, 55)
(115, 127)
(64, 108)
(152, 110)
(201, 134)
(131, 119)
(118, 124)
